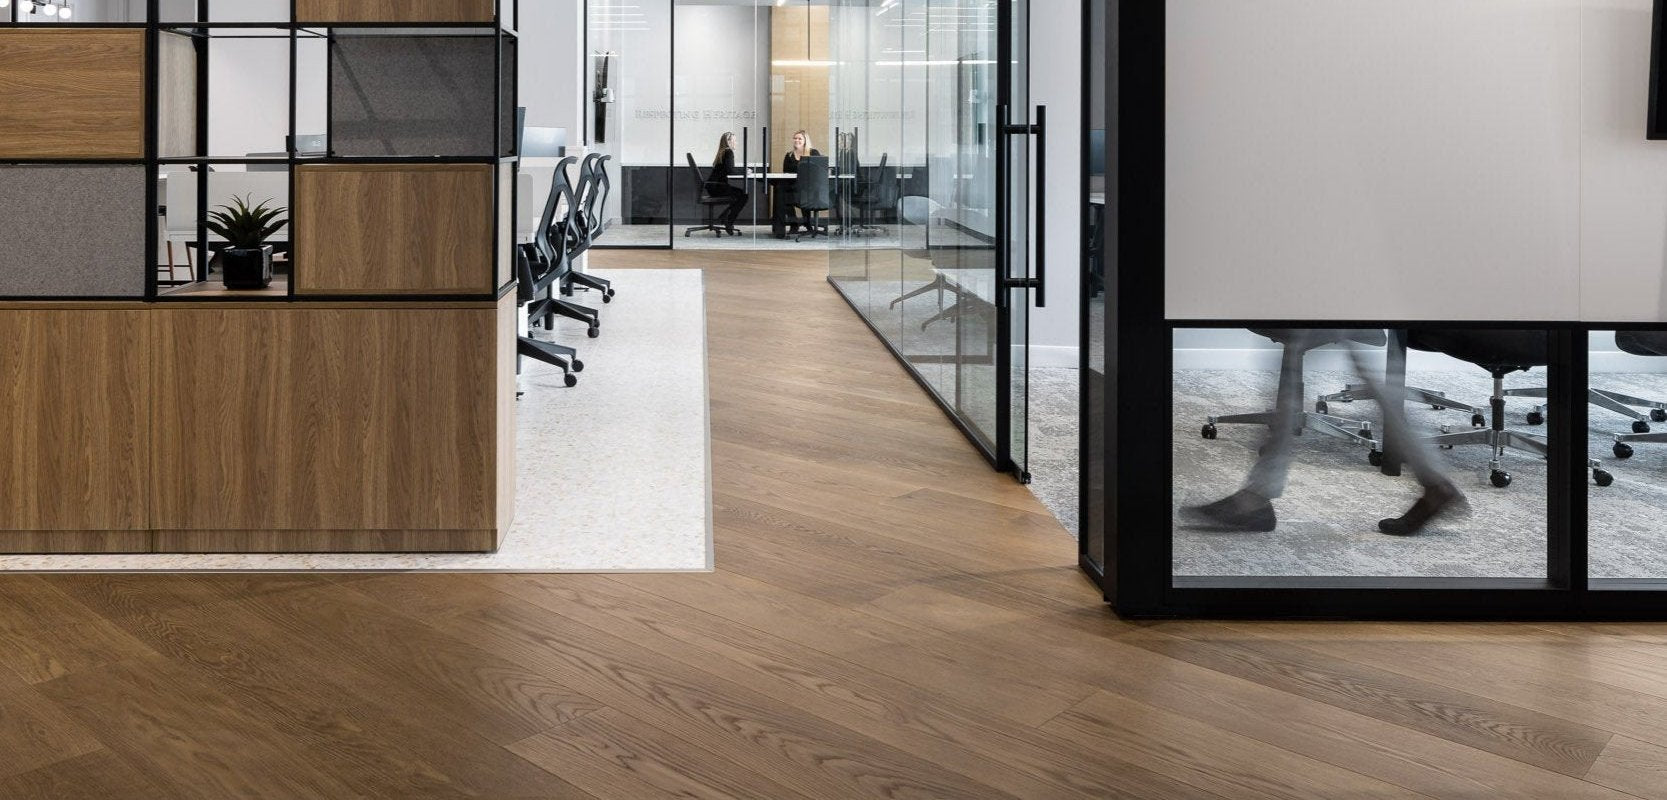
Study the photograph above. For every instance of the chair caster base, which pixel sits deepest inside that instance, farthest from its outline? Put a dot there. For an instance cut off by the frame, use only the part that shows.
(1623, 450)
(1500, 478)
(570, 380)
(1602, 477)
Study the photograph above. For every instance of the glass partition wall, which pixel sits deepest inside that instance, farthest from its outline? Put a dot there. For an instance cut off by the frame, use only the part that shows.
(629, 111)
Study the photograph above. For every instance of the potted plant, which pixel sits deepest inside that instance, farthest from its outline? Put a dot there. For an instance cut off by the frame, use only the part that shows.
(246, 261)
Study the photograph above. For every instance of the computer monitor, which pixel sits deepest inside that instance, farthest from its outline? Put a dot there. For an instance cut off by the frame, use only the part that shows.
(543, 142)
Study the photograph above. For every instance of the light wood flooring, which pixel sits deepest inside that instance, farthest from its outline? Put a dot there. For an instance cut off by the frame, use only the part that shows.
(889, 618)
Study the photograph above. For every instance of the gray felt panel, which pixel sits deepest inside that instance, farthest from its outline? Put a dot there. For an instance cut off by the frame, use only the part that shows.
(413, 96)
(72, 231)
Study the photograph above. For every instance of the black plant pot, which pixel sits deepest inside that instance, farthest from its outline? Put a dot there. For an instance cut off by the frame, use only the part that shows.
(246, 269)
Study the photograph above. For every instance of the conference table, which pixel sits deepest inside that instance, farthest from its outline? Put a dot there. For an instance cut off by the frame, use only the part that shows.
(778, 218)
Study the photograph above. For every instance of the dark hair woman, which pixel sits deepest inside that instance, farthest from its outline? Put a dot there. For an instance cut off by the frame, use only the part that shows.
(718, 185)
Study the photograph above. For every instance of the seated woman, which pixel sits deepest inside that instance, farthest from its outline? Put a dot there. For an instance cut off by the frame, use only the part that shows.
(718, 185)
(787, 194)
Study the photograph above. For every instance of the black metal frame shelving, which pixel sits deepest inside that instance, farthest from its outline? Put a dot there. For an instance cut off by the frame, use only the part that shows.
(503, 28)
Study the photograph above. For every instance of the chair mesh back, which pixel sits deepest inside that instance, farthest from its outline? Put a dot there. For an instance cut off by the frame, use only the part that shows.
(812, 184)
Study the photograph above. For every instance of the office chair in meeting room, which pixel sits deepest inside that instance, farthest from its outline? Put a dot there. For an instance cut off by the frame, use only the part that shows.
(1500, 353)
(706, 200)
(1640, 343)
(875, 195)
(1358, 432)
(812, 190)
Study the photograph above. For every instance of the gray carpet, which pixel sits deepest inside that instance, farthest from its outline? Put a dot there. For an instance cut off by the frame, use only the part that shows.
(1054, 422)
(1329, 513)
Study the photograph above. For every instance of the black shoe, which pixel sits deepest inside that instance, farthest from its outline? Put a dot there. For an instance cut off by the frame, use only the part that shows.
(1443, 498)
(1242, 511)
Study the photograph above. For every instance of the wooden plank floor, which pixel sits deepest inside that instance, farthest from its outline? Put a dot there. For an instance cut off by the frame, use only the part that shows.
(889, 618)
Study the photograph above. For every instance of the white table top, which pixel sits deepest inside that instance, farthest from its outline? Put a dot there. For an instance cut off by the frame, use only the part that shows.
(785, 176)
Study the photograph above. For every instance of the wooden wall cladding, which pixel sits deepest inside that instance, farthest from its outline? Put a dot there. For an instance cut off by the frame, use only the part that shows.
(395, 10)
(73, 443)
(404, 229)
(72, 93)
(326, 420)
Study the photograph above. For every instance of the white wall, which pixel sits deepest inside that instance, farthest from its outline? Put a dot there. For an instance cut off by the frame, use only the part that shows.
(1420, 159)
(1056, 67)
(722, 81)
(248, 88)
(552, 59)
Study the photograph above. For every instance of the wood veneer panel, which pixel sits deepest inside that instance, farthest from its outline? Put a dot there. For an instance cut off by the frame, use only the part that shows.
(72, 435)
(72, 93)
(508, 324)
(393, 229)
(294, 419)
(394, 10)
(354, 541)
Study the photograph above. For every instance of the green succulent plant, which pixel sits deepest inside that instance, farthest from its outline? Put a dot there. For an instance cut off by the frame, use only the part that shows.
(243, 227)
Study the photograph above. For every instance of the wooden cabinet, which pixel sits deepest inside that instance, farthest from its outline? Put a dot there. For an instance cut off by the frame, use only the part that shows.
(316, 425)
(257, 428)
(73, 444)
(394, 229)
(72, 93)
(394, 10)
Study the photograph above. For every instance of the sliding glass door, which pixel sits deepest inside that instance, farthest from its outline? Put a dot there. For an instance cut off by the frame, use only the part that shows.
(931, 99)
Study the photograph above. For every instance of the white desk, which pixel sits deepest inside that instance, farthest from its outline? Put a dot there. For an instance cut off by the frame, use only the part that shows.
(785, 176)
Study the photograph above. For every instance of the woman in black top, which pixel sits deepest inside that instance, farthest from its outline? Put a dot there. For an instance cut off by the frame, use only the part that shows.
(787, 195)
(718, 185)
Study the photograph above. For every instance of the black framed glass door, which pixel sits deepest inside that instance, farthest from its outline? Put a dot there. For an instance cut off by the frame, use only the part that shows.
(934, 98)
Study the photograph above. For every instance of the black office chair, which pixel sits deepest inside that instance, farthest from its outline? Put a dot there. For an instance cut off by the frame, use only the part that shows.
(813, 193)
(551, 353)
(708, 203)
(591, 206)
(554, 249)
(1640, 343)
(1358, 432)
(539, 269)
(875, 195)
(1500, 353)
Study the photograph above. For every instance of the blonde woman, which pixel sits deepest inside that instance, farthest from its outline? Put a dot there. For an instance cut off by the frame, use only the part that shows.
(787, 195)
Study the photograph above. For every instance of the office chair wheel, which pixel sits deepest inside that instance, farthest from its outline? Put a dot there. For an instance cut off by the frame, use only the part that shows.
(1209, 432)
(1657, 415)
(571, 380)
(611, 294)
(594, 332)
(1623, 450)
(608, 298)
(1500, 478)
(1375, 458)
(1536, 418)
(1640, 426)
(1478, 421)
(578, 366)
(1602, 477)
(1321, 408)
